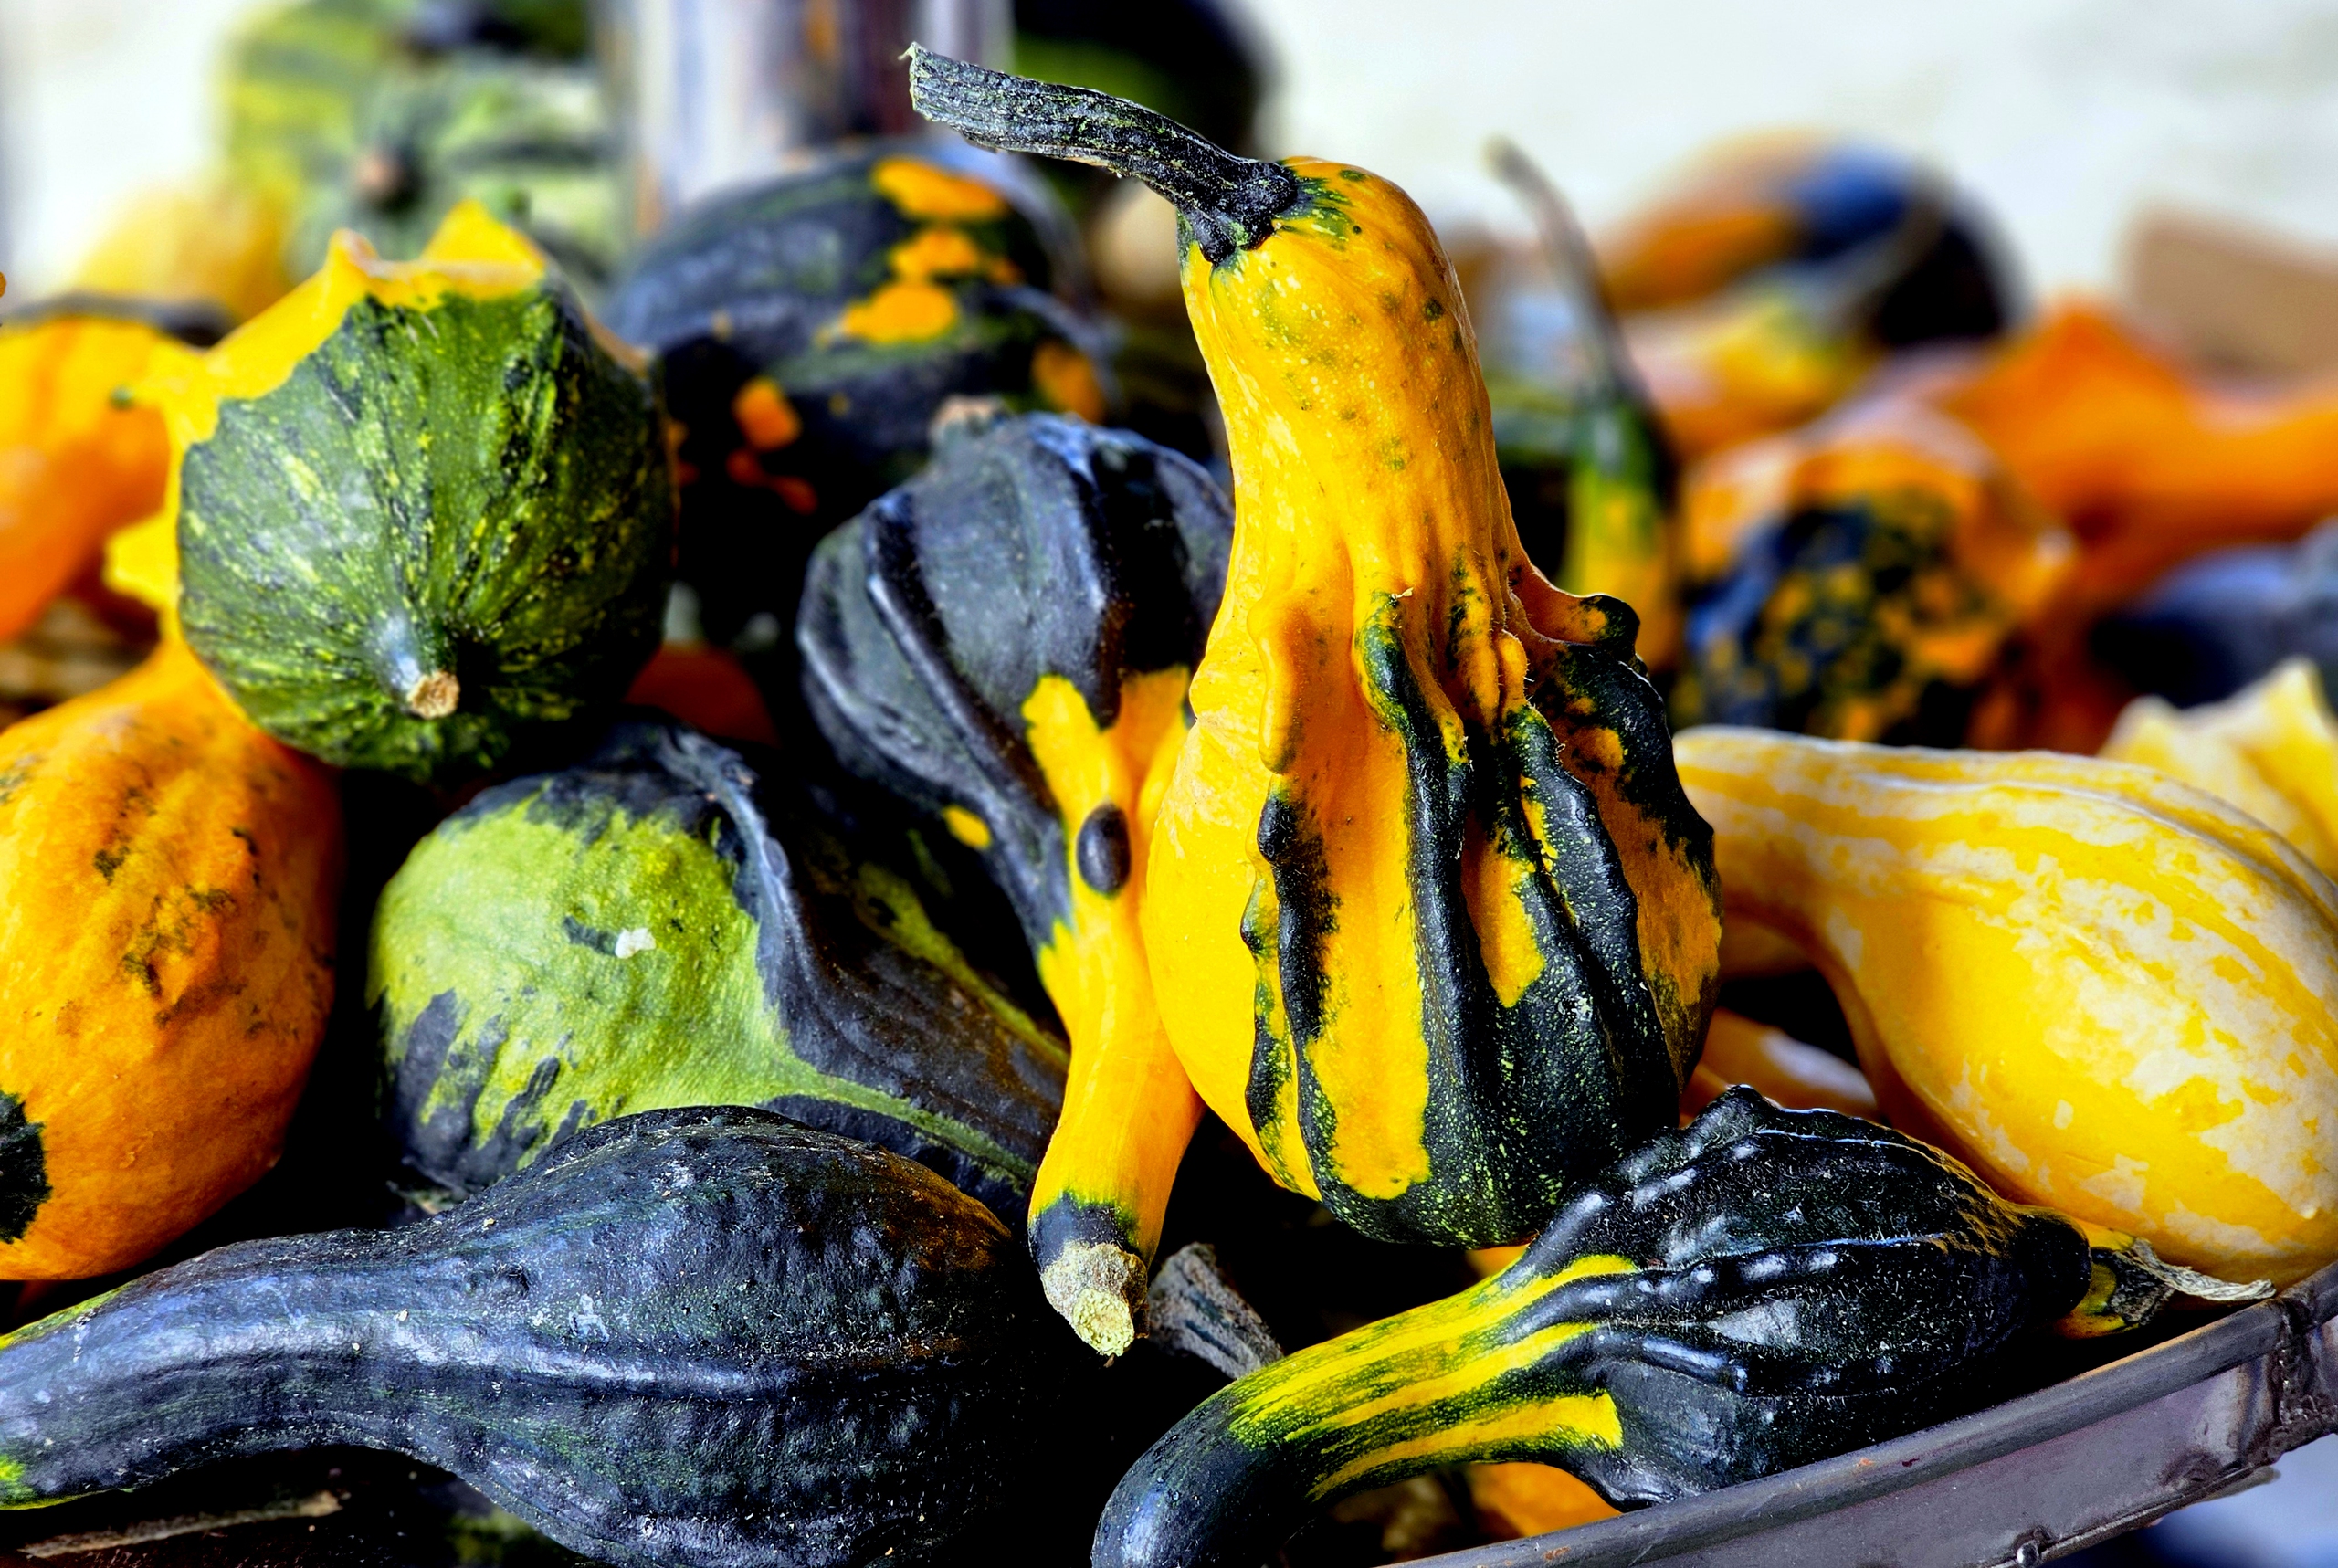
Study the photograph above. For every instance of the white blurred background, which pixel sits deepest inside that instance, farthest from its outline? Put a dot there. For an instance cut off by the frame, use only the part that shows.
(2066, 116)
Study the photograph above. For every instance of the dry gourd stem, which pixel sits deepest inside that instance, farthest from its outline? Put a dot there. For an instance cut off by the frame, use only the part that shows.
(435, 695)
(1230, 202)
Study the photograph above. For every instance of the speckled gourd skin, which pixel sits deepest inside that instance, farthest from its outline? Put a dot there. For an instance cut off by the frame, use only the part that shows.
(668, 923)
(690, 1339)
(456, 480)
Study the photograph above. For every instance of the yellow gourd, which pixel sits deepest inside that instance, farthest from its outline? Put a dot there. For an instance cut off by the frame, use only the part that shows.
(1429, 923)
(2272, 751)
(2107, 992)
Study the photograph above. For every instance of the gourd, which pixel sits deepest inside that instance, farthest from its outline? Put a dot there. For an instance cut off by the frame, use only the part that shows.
(76, 459)
(666, 925)
(1429, 923)
(1006, 641)
(1616, 532)
(2147, 465)
(2103, 989)
(421, 508)
(1761, 1289)
(168, 877)
(1793, 1073)
(2224, 621)
(811, 328)
(383, 115)
(689, 1338)
(2272, 751)
(1862, 580)
(210, 243)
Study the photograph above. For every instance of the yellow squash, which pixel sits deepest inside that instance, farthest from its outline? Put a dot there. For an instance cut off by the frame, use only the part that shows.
(167, 883)
(2272, 751)
(2107, 992)
(1430, 922)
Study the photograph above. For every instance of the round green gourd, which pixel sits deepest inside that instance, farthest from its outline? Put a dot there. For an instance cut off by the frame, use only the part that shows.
(661, 926)
(421, 508)
(690, 1339)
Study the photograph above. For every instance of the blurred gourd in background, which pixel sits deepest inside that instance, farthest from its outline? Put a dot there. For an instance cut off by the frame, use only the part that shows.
(1859, 579)
(381, 115)
(1759, 290)
(1592, 485)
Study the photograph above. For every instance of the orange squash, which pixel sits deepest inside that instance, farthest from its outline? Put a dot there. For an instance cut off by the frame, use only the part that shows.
(167, 883)
(78, 460)
(2148, 465)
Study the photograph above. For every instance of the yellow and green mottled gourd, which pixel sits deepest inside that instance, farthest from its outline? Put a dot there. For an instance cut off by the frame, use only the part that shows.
(1430, 923)
(1761, 1289)
(419, 507)
(2103, 989)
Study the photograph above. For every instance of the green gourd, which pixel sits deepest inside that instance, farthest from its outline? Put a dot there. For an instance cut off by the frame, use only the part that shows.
(422, 507)
(690, 1339)
(1763, 1288)
(665, 925)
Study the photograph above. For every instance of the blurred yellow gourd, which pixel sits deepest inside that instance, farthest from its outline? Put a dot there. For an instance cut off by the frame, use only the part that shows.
(2106, 991)
(2272, 751)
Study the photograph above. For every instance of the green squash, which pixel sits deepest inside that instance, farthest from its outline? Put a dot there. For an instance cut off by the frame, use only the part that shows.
(661, 926)
(1005, 642)
(1761, 1289)
(381, 115)
(810, 329)
(690, 1338)
(421, 509)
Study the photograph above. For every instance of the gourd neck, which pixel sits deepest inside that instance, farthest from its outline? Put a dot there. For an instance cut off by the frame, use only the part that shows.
(1228, 203)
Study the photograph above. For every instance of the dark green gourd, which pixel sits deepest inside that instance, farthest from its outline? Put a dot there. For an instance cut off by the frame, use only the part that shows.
(422, 507)
(694, 1337)
(1005, 642)
(666, 925)
(810, 329)
(1761, 1289)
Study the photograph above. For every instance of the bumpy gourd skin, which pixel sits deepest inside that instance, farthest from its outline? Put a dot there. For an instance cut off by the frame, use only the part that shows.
(1761, 1289)
(420, 507)
(168, 884)
(1430, 923)
(2104, 990)
(1006, 643)
(704, 1338)
(662, 925)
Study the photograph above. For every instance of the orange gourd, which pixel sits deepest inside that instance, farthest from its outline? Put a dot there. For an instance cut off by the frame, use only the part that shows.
(167, 883)
(77, 460)
(2148, 465)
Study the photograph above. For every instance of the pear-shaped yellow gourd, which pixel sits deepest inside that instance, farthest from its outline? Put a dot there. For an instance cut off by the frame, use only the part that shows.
(2107, 992)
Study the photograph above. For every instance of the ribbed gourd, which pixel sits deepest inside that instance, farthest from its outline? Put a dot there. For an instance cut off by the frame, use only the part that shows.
(77, 460)
(1006, 641)
(1861, 580)
(2104, 990)
(420, 507)
(2272, 750)
(690, 1339)
(1431, 924)
(811, 328)
(666, 923)
(1761, 1289)
(168, 878)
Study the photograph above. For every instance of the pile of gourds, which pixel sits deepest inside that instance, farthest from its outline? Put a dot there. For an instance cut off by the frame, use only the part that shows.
(773, 1202)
